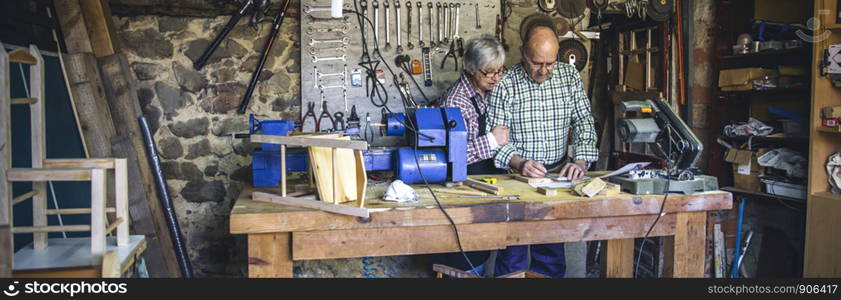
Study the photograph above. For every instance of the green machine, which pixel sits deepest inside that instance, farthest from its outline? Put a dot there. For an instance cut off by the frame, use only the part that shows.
(671, 139)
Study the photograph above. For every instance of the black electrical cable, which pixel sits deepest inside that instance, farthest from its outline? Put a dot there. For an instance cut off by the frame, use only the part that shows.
(662, 205)
(417, 134)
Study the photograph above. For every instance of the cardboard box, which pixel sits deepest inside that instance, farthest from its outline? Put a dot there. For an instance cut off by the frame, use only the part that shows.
(741, 79)
(830, 112)
(746, 169)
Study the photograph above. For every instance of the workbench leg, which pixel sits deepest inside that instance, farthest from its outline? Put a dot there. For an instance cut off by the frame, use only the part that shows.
(619, 258)
(690, 244)
(270, 255)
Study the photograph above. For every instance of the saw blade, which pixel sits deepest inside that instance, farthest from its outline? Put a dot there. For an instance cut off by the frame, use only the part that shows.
(573, 49)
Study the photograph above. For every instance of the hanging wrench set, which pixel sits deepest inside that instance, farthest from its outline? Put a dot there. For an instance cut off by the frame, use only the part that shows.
(340, 79)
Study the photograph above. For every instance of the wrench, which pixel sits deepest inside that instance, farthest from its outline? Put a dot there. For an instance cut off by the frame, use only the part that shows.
(314, 51)
(478, 26)
(387, 35)
(316, 59)
(420, 25)
(409, 25)
(438, 21)
(458, 12)
(343, 40)
(314, 19)
(429, 22)
(310, 9)
(399, 43)
(364, 5)
(376, 21)
(452, 20)
(446, 37)
(343, 30)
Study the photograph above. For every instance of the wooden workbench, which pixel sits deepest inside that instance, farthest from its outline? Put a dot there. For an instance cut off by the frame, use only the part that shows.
(278, 235)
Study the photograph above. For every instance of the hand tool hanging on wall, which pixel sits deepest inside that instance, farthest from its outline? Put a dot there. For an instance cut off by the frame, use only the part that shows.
(429, 24)
(476, 14)
(310, 113)
(427, 67)
(438, 22)
(446, 9)
(420, 25)
(387, 22)
(198, 64)
(376, 6)
(409, 44)
(278, 20)
(456, 37)
(324, 114)
(399, 24)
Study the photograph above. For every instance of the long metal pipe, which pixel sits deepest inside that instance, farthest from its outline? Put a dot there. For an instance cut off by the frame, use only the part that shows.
(166, 202)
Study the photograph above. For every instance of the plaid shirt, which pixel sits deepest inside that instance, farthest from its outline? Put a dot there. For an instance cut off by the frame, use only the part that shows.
(540, 116)
(478, 147)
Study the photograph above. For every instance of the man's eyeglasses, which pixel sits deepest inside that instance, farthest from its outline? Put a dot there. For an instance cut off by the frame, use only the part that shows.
(500, 73)
(535, 66)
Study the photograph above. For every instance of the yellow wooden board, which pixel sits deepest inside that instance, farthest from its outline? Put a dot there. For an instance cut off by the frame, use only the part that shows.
(321, 161)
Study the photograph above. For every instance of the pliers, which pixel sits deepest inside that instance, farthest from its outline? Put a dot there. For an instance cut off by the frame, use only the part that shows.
(324, 113)
(451, 53)
(310, 113)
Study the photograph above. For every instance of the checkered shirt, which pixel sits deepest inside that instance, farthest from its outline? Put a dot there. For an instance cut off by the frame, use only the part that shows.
(458, 95)
(540, 116)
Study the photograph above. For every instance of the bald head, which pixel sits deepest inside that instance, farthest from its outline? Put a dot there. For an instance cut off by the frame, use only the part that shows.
(540, 49)
(541, 39)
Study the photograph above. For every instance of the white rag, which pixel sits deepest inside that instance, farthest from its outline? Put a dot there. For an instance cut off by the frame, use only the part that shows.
(400, 192)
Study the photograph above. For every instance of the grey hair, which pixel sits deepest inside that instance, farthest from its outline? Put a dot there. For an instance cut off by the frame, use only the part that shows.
(483, 52)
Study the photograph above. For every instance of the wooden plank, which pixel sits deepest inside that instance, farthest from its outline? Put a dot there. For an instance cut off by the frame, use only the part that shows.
(396, 241)
(720, 260)
(258, 217)
(41, 175)
(110, 265)
(619, 258)
(488, 188)
(270, 255)
(531, 180)
(690, 244)
(283, 170)
(98, 232)
(38, 135)
(88, 93)
(100, 27)
(76, 211)
(6, 252)
(459, 192)
(308, 141)
(578, 230)
(125, 109)
(18, 101)
(361, 177)
(45, 229)
(92, 163)
(336, 179)
(23, 197)
(114, 224)
(821, 252)
(312, 204)
(121, 191)
(22, 56)
(547, 191)
(73, 27)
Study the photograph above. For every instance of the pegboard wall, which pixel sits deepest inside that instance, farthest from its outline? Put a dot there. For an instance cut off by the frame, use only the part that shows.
(332, 50)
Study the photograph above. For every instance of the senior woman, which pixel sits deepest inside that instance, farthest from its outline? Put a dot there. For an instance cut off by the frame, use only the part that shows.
(483, 60)
(483, 68)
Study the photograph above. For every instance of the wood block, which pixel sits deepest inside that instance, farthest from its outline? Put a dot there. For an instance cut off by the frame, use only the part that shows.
(547, 191)
(531, 180)
(611, 189)
(488, 188)
(590, 188)
(319, 205)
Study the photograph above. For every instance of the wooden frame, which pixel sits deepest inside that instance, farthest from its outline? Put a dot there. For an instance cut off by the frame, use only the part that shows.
(43, 170)
(330, 141)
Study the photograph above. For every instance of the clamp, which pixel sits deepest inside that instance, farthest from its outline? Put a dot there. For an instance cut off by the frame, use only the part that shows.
(489, 180)
(310, 113)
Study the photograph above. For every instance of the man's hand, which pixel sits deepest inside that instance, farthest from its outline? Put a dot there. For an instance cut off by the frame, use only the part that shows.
(500, 134)
(533, 169)
(573, 171)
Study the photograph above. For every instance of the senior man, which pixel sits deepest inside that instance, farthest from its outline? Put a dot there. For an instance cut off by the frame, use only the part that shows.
(541, 101)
